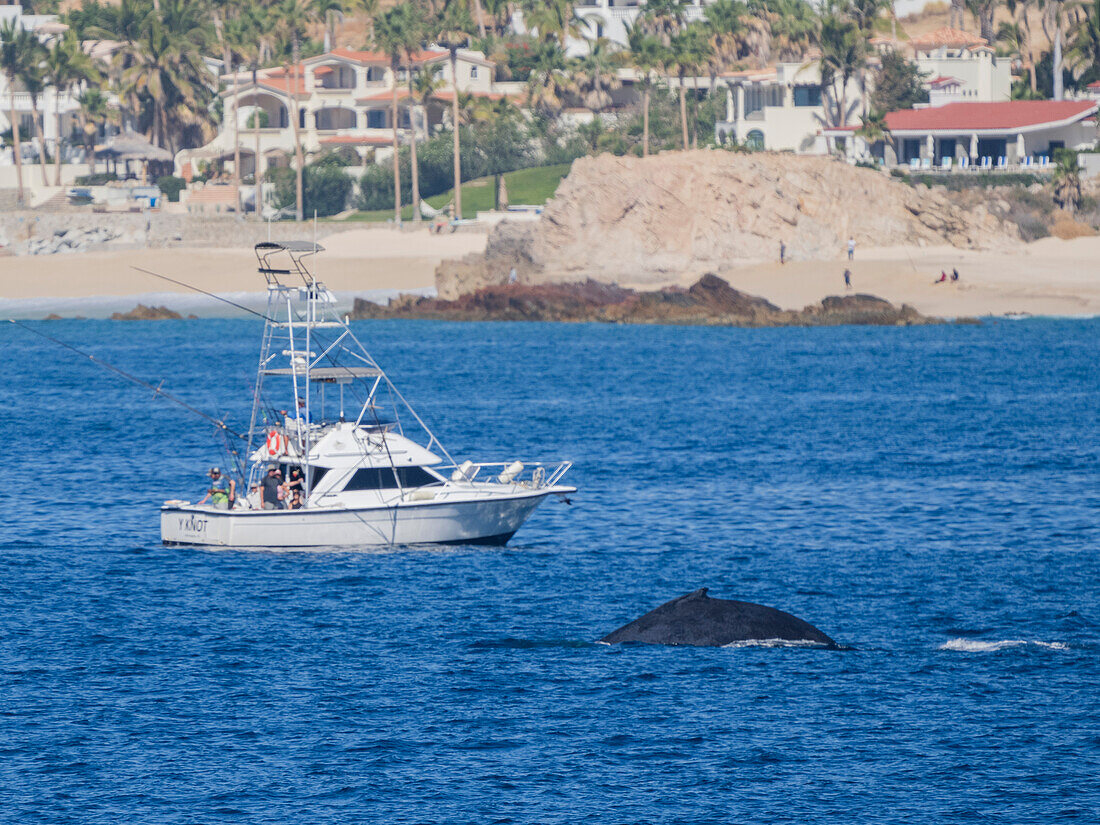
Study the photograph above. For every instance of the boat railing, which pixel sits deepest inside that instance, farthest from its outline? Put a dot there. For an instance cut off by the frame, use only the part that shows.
(533, 474)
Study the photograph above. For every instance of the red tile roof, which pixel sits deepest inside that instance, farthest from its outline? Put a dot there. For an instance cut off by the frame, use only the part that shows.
(946, 37)
(1095, 85)
(381, 57)
(356, 140)
(1008, 116)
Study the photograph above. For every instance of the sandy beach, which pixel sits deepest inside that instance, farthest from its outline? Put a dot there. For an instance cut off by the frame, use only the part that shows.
(355, 261)
(1048, 277)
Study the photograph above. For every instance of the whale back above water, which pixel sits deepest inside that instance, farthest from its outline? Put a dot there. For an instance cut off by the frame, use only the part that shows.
(697, 619)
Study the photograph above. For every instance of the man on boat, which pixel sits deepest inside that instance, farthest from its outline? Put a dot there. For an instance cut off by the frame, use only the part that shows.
(222, 490)
(269, 489)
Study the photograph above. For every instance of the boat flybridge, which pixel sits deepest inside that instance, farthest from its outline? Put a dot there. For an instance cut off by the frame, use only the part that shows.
(338, 441)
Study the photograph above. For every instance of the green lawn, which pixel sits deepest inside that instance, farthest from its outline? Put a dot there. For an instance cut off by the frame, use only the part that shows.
(525, 186)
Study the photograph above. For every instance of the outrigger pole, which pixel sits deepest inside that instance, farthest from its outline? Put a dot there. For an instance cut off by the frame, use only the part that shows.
(203, 291)
(134, 379)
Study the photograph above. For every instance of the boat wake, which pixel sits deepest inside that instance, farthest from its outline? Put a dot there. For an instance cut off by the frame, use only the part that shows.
(977, 646)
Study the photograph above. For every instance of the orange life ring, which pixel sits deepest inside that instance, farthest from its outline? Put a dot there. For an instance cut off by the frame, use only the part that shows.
(276, 444)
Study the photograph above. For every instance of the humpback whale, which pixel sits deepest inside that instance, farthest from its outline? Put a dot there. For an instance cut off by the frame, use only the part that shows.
(697, 619)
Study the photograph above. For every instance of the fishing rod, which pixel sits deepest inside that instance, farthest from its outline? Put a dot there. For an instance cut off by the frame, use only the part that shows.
(203, 291)
(132, 378)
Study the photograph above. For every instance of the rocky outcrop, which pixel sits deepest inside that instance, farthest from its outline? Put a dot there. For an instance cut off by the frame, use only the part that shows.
(64, 241)
(710, 301)
(144, 313)
(655, 220)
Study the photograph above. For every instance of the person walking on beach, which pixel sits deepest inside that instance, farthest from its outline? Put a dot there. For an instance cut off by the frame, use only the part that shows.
(847, 279)
(851, 248)
(782, 252)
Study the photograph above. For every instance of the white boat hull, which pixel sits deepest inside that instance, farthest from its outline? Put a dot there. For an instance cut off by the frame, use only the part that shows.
(477, 521)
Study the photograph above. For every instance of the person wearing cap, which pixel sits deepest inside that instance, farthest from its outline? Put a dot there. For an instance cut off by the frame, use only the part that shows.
(269, 489)
(222, 490)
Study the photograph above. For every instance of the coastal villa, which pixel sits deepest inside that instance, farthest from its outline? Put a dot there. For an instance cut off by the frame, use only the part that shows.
(786, 107)
(342, 100)
(1001, 135)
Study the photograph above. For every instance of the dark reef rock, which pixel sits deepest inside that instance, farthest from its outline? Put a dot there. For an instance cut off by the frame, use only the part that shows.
(697, 619)
(144, 313)
(710, 301)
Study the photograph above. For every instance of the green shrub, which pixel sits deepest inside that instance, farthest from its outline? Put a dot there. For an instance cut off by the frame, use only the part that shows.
(325, 189)
(171, 186)
(98, 179)
(257, 114)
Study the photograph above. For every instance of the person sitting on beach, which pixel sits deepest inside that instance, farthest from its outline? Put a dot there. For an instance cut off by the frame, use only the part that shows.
(222, 490)
(942, 278)
(954, 274)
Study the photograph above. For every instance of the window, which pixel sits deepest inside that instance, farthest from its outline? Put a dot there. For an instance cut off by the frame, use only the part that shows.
(755, 139)
(807, 95)
(383, 478)
(376, 119)
(473, 72)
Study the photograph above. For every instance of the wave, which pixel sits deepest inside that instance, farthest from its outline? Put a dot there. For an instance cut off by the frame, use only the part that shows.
(977, 646)
(777, 643)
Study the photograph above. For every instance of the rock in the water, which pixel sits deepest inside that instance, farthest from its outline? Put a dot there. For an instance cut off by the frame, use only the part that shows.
(697, 619)
(710, 300)
(144, 313)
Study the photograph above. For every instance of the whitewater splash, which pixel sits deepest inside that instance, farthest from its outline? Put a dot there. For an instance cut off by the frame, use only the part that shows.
(977, 646)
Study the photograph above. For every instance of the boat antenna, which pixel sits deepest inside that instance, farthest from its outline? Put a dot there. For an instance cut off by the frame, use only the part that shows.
(203, 291)
(133, 378)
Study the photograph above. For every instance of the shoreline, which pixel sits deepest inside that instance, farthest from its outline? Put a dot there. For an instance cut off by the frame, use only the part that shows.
(1048, 278)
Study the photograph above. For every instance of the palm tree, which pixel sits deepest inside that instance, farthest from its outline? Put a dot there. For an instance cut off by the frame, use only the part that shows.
(166, 72)
(1016, 37)
(398, 34)
(255, 50)
(33, 77)
(729, 23)
(1054, 25)
(451, 29)
(843, 55)
(648, 55)
(1067, 181)
(95, 109)
(68, 67)
(1084, 38)
(554, 19)
(16, 47)
(689, 52)
(791, 28)
(291, 18)
(234, 33)
(664, 18)
(423, 84)
(596, 76)
(549, 84)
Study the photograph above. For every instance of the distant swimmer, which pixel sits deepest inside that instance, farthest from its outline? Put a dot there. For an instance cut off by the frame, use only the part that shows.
(847, 279)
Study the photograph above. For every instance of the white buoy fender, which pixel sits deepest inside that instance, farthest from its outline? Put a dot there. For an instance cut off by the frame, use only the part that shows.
(510, 472)
(462, 472)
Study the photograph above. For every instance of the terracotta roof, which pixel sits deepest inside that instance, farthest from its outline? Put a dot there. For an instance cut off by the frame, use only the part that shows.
(947, 37)
(1095, 85)
(379, 57)
(1009, 116)
(386, 94)
(356, 140)
(944, 80)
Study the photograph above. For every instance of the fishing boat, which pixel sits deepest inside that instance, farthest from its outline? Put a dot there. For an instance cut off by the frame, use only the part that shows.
(368, 471)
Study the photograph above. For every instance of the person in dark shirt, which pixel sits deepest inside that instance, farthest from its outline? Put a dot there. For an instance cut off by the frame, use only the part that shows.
(269, 489)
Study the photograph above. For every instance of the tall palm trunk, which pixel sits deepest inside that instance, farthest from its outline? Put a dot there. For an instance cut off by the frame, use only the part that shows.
(683, 114)
(457, 148)
(645, 121)
(57, 142)
(415, 170)
(17, 143)
(299, 159)
(41, 139)
(257, 178)
(694, 111)
(1058, 91)
(236, 135)
(396, 156)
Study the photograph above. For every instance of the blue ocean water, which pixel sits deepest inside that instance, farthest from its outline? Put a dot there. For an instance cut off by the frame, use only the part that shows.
(929, 497)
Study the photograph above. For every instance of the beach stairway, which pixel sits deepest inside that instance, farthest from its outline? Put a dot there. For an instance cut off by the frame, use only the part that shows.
(57, 202)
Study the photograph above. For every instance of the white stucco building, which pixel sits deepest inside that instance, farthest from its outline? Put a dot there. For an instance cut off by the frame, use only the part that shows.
(342, 98)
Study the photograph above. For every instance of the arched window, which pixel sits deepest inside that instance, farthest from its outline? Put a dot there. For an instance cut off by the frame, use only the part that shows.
(755, 140)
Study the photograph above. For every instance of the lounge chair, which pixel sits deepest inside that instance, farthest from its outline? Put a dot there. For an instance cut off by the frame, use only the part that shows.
(926, 163)
(1002, 162)
(945, 164)
(914, 164)
(964, 162)
(987, 162)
